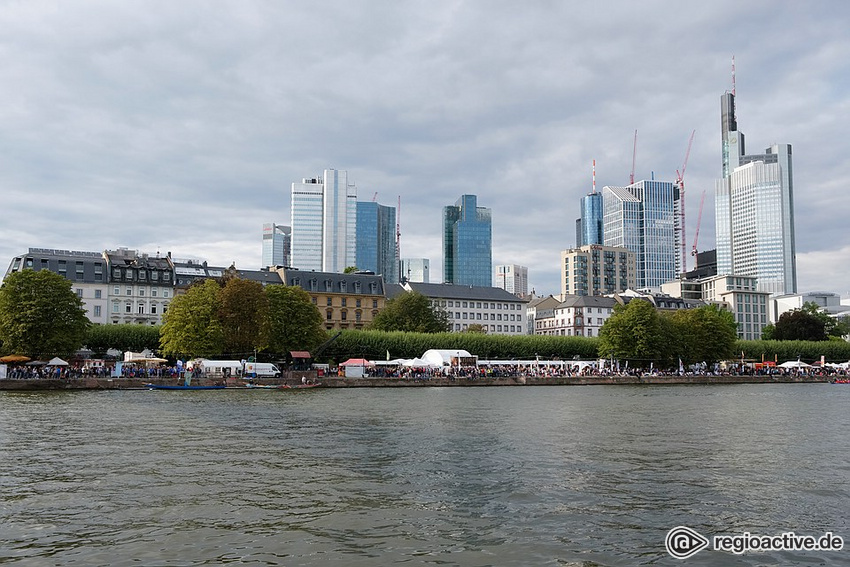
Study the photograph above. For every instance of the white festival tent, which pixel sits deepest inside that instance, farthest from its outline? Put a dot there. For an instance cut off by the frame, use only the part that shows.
(56, 361)
(794, 364)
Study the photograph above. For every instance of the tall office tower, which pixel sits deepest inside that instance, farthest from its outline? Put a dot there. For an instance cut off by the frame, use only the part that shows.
(597, 270)
(467, 243)
(277, 240)
(324, 223)
(513, 279)
(754, 210)
(591, 220)
(415, 270)
(642, 218)
(578, 232)
(376, 238)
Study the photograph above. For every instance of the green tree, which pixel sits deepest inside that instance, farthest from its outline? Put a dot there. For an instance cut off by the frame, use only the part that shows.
(767, 332)
(191, 325)
(704, 334)
(411, 312)
(636, 332)
(243, 314)
(831, 325)
(350, 270)
(294, 322)
(40, 315)
(799, 325)
(476, 328)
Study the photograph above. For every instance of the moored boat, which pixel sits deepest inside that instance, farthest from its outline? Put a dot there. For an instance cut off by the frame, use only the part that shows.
(183, 387)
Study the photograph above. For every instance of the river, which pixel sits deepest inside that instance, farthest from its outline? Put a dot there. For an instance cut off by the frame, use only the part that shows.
(503, 476)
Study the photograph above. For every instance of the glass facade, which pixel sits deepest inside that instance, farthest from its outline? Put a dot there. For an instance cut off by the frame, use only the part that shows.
(642, 218)
(467, 243)
(592, 220)
(416, 270)
(276, 245)
(376, 240)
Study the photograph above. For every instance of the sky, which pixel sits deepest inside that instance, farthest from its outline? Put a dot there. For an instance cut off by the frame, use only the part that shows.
(179, 127)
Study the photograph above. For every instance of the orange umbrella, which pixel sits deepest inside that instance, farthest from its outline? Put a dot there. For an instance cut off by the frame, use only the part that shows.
(14, 358)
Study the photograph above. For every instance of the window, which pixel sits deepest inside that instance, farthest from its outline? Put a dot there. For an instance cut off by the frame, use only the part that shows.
(141, 291)
(62, 267)
(344, 301)
(165, 293)
(79, 270)
(128, 307)
(329, 314)
(315, 300)
(141, 309)
(344, 315)
(129, 291)
(357, 315)
(97, 310)
(79, 293)
(142, 275)
(153, 309)
(357, 303)
(154, 276)
(115, 307)
(342, 286)
(153, 293)
(330, 301)
(374, 304)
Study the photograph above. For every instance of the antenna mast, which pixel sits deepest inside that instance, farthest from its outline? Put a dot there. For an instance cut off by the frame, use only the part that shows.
(398, 233)
(594, 177)
(634, 153)
(733, 75)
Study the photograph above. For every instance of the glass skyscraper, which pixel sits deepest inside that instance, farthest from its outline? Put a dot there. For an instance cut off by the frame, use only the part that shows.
(591, 220)
(642, 218)
(754, 210)
(276, 245)
(324, 223)
(467, 243)
(376, 240)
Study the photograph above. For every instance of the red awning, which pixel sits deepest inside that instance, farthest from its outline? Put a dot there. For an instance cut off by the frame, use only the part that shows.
(300, 354)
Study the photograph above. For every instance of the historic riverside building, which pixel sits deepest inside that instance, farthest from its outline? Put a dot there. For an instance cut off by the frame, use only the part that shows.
(346, 301)
(754, 210)
(597, 270)
(277, 243)
(513, 279)
(467, 243)
(140, 286)
(376, 240)
(324, 222)
(643, 217)
(497, 311)
(575, 316)
(87, 272)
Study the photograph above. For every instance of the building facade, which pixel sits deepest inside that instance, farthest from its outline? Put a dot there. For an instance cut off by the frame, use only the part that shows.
(513, 279)
(376, 240)
(754, 210)
(741, 296)
(324, 222)
(642, 217)
(87, 272)
(467, 243)
(576, 316)
(592, 220)
(597, 270)
(140, 287)
(346, 301)
(497, 311)
(277, 243)
(415, 270)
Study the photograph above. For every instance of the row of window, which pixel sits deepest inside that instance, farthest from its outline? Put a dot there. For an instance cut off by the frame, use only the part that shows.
(140, 274)
(329, 315)
(486, 316)
(479, 305)
(492, 328)
(140, 308)
(343, 302)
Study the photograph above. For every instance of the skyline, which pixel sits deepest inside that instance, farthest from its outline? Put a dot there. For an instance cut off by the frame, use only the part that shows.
(175, 128)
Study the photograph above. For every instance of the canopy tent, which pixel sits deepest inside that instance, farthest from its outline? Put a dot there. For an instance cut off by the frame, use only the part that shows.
(449, 357)
(357, 362)
(794, 364)
(56, 361)
(419, 363)
(14, 358)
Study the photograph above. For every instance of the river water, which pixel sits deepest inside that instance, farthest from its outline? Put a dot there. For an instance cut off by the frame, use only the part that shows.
(578, 476)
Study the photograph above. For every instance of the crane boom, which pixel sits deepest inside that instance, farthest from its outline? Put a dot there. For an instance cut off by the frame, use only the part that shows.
(634, 153)
(699, 221)
(680, 181)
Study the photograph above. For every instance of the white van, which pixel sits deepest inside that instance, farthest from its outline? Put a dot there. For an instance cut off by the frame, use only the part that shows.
(261, 369)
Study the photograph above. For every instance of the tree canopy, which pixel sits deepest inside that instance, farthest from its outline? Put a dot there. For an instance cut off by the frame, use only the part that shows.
(243, 314)
(635, 332)
(191, 325)
(40, 315)
(294, 322)
(799, 325)
(411, 312)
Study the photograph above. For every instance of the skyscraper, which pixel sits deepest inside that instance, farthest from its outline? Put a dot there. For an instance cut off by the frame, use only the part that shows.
(277, 240)
(754, 210)
(467, 243)
(591, 220)
(376, 240)
(415, 270)
(642, 218)
(513, 279)
(324, 223)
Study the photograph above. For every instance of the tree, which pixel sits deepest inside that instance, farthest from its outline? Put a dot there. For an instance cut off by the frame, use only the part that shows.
(40, 315)
(799, 325)
(411, 312)
(476, 328)
(243, 314)
(704, 334)
(350, 270)
(636, 332)
(191, 325)
(294, 322)
(831, 325)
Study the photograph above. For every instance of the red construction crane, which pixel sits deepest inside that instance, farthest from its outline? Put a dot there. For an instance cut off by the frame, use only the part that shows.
(634, 153)
(680, 182)
(375, 197)
(699, 220)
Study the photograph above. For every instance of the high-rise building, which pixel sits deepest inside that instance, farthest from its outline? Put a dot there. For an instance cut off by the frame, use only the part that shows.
(467, 243)
(415, 270)
(597, 270)
(277, 240)
(591, 220)
(324, 223)
(376, 240)
(754, 210)
(642, 218)
(513, 279)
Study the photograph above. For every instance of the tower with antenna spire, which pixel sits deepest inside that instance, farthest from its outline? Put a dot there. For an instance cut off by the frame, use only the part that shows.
(590, 224)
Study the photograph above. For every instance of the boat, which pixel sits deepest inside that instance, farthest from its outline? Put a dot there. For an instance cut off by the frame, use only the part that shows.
(183, 387)
(280, 386)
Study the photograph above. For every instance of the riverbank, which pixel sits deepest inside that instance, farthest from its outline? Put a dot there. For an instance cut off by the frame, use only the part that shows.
(336, 382)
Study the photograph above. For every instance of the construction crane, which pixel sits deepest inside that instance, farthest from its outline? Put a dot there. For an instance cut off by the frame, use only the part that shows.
(634, 153)
(696, 235)
(375, 197)
(680, 183)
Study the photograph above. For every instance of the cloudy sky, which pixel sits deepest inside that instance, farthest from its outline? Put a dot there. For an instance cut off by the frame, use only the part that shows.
(180, 126)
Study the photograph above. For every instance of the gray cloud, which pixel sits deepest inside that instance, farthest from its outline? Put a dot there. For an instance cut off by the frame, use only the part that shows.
(181, 126)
